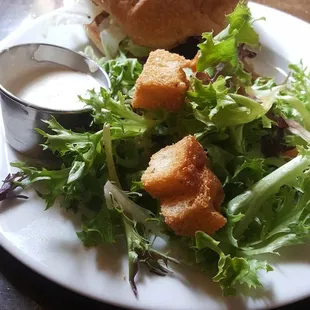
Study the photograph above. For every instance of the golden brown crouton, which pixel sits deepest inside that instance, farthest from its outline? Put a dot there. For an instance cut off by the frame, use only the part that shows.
(190, 194)
(174, 170)
(162, 83)
(197, 211)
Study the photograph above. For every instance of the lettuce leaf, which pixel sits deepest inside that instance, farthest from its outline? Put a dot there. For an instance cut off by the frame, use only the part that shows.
(66, 142)
(123, 73)
(300, 83)
(116, 112)
(138, 51)
(250, 203)
(139, 224)
(215, 103)
(213, 52)
(240, 20)
(294, 101)
(79, 178)
(99, 229)
(111, 35)
(232, 272)
(283, 220)
(224, 48)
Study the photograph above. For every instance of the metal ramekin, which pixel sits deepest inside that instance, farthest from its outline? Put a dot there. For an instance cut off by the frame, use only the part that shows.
(21, 118)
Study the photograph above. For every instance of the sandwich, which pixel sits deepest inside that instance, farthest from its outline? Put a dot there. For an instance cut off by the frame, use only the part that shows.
(155, 24)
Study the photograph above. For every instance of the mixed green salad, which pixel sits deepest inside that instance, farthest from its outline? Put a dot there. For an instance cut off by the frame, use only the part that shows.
(256, 134)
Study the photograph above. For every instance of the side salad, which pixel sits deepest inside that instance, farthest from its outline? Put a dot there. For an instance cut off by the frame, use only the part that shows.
(256, 134)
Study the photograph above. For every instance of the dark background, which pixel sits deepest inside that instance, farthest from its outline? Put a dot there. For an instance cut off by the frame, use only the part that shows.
(20, 287)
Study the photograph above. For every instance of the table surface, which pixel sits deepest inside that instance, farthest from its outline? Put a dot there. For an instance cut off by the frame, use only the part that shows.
(20, 287)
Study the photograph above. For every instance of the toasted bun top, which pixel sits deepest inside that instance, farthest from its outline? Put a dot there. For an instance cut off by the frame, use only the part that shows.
(167, 23)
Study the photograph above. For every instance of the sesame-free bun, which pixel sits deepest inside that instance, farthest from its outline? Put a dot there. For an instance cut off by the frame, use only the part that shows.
(167, 23)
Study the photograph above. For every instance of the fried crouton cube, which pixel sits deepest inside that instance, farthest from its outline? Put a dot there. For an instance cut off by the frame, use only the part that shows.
(174, 170)
(196, 212)
(162, 83)
(190, 194)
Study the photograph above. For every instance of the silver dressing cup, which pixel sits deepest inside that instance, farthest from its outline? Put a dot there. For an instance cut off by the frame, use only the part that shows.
(20, 117)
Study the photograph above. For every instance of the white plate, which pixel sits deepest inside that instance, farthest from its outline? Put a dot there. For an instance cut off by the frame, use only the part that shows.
(47, 243)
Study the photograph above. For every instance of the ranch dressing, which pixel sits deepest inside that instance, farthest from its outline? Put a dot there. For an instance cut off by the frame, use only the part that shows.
(53, 86)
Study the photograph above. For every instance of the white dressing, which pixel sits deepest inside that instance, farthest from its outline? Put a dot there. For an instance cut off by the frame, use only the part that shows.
(52, 86)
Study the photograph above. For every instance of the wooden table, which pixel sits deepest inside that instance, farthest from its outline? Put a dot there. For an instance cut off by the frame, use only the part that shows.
(299, 8)
(20, 287)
